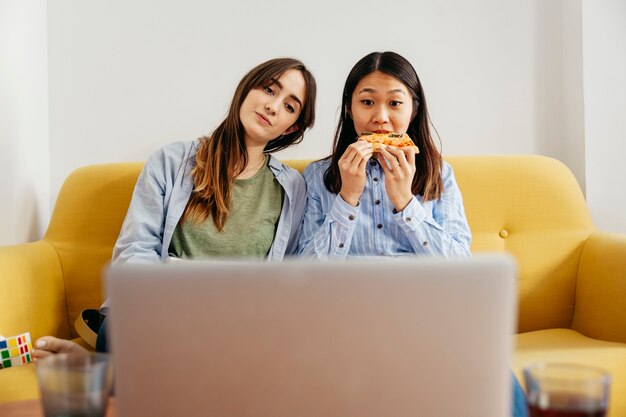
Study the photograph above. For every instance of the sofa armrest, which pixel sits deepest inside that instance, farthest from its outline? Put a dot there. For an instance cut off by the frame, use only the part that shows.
(599, 310)
(33, 291)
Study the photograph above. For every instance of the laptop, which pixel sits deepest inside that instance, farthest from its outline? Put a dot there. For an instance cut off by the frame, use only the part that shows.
(409, 337)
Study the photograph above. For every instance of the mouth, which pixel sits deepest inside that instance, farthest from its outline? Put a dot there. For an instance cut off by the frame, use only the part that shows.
(381, 131)
(263, 119)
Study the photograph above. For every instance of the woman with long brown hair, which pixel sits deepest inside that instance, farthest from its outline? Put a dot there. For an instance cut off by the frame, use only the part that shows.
(199, 199)
(196, 199)
(391, 203)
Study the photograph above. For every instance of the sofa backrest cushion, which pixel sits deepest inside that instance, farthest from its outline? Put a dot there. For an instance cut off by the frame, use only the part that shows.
(533, 208)
(85, 223)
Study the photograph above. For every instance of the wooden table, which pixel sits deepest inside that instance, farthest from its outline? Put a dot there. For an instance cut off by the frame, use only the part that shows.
(32, 408)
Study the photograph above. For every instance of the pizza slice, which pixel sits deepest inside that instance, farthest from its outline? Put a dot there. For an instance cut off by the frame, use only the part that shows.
(392, 140)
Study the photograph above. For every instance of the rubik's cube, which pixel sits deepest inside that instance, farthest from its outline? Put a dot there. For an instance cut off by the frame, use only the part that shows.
(15, 350)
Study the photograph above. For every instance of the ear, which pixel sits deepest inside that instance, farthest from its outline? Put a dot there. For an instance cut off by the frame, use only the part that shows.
(291, 129)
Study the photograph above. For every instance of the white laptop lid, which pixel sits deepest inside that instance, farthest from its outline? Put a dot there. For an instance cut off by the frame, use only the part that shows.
(411, 337)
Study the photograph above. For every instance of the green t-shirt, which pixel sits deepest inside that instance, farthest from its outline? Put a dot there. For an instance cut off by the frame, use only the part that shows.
(249, 230)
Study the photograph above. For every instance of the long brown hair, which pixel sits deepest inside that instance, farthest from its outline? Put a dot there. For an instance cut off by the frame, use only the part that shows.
(222, 155)
(427, 180)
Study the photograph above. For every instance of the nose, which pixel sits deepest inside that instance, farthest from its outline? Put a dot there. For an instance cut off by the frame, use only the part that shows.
(381, 116)
(272, 106)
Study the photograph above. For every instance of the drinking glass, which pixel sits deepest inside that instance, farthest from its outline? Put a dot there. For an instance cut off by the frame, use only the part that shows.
(75, 384)
(566, 390)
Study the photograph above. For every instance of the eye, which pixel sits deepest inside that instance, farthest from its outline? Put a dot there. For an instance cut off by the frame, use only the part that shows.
(367, 102)
(290, 108)
(268, 89)
(395, 103)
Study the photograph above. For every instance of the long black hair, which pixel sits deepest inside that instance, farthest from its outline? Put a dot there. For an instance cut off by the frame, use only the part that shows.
(427, 180)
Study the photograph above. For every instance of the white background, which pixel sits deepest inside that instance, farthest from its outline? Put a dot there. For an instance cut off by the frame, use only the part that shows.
(604, 69)
(85, 81)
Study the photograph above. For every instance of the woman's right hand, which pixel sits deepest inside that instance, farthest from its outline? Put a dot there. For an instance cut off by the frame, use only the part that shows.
(352, 170)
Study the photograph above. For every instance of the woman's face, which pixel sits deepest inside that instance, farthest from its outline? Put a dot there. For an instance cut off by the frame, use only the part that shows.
(272, 110)
(381, 103)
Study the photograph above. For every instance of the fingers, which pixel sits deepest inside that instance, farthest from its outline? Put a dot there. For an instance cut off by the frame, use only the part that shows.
(410, 156)
(363, 163)
(50, 345)
(355, 157)
(40, 354)
(357, 151)
(352, 170)
(399, 154)
(385, 162)
(390, 160)
(397, 161)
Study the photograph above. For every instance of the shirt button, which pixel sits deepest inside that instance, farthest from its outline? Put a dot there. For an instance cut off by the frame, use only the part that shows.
(380, 226)
(377, 202)
(425, 243)
(340, 245)
(408, 219)
(351, 217)
(375, 179)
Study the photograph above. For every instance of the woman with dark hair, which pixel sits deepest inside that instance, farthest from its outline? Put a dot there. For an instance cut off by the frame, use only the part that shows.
(394, 202)
(391, 203)
(196, 199)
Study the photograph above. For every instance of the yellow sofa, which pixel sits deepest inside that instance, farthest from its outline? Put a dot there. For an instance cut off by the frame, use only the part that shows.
(572, 290)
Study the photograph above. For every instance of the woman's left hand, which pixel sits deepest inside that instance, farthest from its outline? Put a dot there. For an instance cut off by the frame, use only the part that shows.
(399, 168)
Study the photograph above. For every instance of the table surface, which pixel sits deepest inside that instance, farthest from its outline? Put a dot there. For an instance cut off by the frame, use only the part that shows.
(32, 408)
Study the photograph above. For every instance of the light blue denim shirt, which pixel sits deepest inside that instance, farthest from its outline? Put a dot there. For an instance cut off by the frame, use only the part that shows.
(333, 229)
(161, 195)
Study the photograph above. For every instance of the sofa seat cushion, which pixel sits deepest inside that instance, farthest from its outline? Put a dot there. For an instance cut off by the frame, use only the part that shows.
(565, 345)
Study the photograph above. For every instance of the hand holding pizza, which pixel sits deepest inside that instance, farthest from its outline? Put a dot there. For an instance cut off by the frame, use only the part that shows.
(399, 167)
(352, 170)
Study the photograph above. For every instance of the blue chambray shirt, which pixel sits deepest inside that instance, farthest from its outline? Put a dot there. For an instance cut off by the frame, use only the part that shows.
(333, 229)
(161, 195)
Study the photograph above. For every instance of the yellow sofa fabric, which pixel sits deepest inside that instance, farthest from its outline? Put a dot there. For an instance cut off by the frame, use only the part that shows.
(566, 345)
(572, 277)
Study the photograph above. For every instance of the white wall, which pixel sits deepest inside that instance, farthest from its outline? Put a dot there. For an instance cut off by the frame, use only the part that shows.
(572, 145)
(604, 50)
(128, 77)
(24, 150)
(558, 106)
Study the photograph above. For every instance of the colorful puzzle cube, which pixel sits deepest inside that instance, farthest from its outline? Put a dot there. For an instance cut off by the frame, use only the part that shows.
(15, 350)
